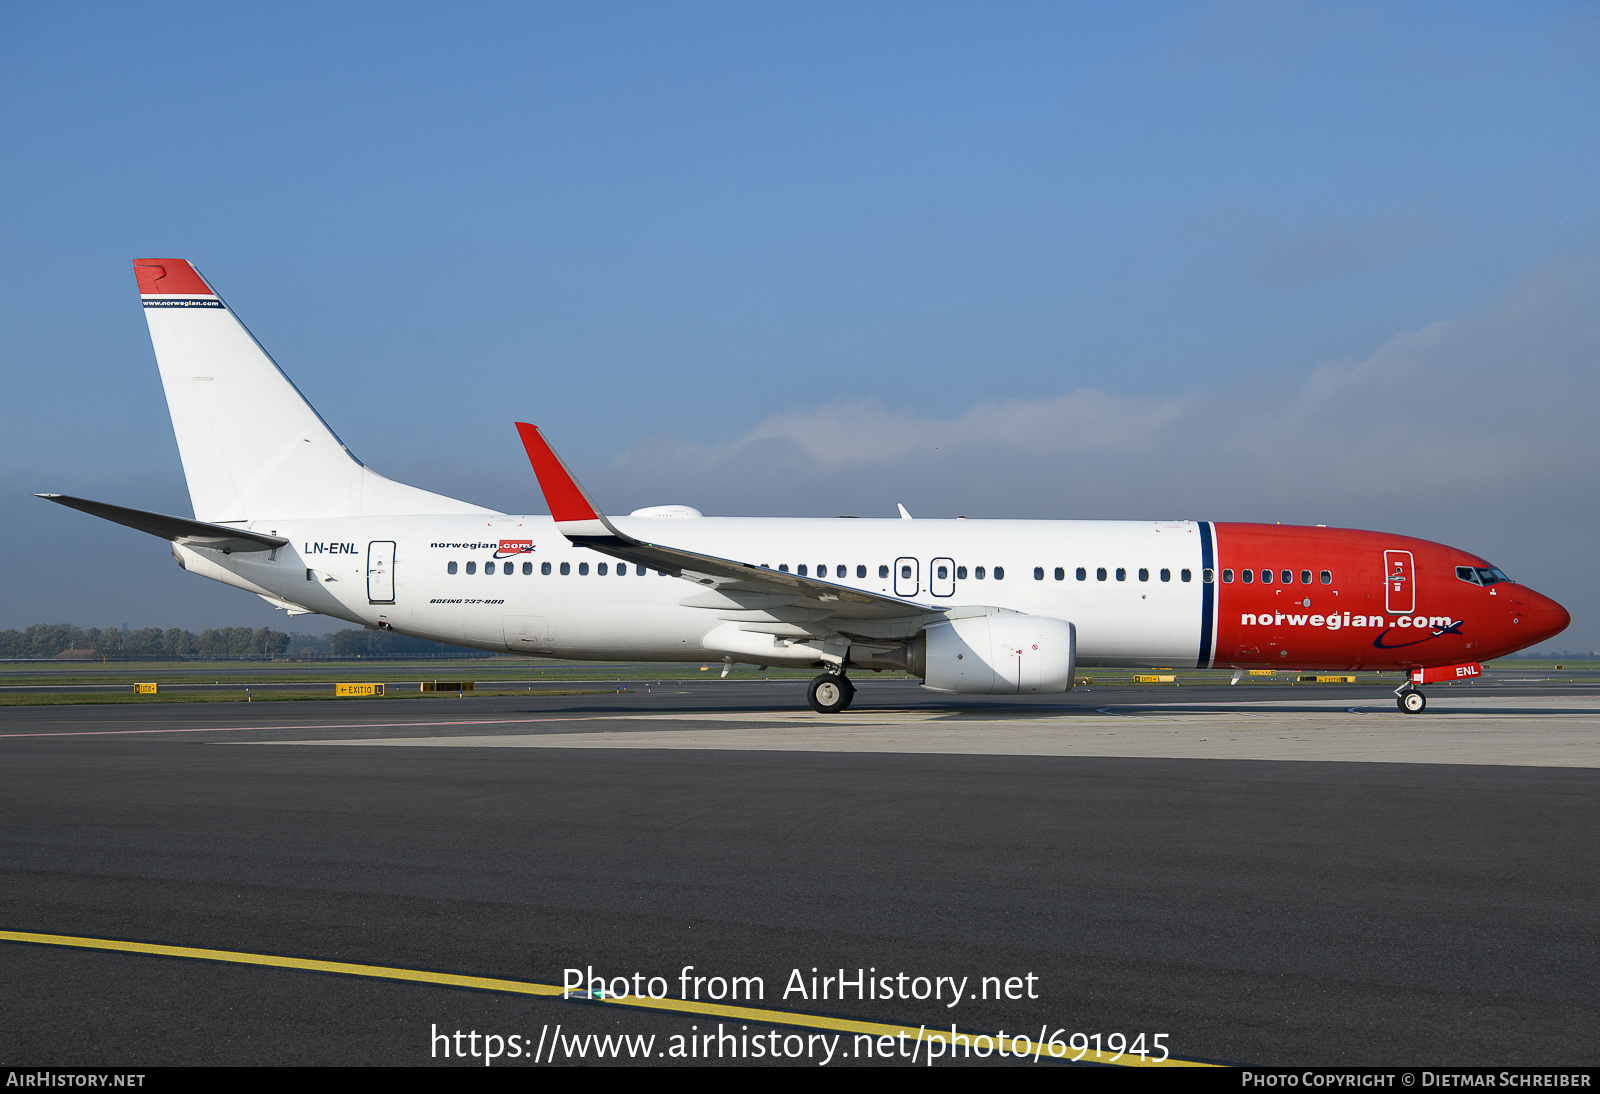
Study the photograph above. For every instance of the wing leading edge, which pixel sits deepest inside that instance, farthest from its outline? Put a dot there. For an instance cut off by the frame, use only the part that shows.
(580, 520)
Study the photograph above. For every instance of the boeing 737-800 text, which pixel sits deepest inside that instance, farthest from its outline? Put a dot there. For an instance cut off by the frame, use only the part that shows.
(283, 510)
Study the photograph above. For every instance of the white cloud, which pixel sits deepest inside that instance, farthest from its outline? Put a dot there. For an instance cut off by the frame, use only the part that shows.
(1499, 398)
(862, 431)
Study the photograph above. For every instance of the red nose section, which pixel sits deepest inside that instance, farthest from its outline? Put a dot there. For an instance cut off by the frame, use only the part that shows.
(1546, 618)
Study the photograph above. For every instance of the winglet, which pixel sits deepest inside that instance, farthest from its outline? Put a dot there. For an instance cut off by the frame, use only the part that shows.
(574, 511)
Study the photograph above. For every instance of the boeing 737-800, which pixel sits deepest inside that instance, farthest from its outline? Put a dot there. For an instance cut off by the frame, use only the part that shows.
(284, 510)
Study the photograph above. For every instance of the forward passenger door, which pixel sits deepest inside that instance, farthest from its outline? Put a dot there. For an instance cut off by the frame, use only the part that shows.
(1399, 583)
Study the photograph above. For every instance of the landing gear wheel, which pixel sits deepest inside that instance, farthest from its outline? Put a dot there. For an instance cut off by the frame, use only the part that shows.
(830, 693)
(1413, 702)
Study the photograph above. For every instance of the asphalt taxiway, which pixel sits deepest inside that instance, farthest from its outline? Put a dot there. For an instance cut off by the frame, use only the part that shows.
(1264, 876)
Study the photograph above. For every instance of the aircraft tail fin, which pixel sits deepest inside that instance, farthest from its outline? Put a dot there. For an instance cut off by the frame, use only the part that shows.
(252, 446)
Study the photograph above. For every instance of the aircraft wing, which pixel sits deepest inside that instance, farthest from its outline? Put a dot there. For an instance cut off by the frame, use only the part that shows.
(739, 584)
(190, 533)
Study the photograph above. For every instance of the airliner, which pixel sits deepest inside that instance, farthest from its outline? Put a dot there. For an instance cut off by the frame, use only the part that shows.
(284, 510)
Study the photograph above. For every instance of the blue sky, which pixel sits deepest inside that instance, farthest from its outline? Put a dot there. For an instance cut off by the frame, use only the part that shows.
(1140, 243)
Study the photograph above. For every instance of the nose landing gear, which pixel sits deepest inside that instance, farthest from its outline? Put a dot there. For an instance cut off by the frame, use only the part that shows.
(830, 693)
(1410, 699)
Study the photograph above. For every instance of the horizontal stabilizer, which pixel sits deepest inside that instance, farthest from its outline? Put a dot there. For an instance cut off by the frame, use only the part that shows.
(190, 533)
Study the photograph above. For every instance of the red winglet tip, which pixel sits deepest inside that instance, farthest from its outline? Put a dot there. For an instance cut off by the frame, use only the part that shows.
(561, 491)
(169, 277)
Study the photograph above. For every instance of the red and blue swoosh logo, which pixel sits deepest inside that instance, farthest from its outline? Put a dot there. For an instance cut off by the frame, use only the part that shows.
(1454, 628)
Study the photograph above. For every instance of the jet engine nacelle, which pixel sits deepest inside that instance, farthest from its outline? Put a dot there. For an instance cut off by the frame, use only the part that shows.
(1009, 654)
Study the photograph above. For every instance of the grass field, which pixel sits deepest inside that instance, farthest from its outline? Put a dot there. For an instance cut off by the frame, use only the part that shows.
(52, 683)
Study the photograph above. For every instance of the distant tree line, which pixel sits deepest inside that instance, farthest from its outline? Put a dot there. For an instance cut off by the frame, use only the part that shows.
(221, 644)
(364, 643)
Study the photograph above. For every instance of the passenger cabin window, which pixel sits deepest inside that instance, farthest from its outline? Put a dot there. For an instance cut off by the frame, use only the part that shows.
(1305, 577)
(1122, 573)
(1166, 575)
(905, 572)
(639, 571)
(488, 567)
(942, 573)
(1326, 576)
(1083, 575)
(451, 568)
(801, 569)
(1061, 574)
(1183, 575)
(961, 573)
(783, 567)
(600, 570)
(999, 573)
(1144, 575)
(1266, 577)
(509, 568)
(1207, 575)
(1246, 576)
(583, 569)
(883, 571)
(544, 568)
(1288, 577)
(1100, 573)
(842, 571)
(472, 567)
(527, 568)
(1227, 577)
(861, 572)
(1038, 573)
(978, 573)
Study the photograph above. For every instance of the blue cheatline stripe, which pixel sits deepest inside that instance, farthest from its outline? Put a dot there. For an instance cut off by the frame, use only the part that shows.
(1208, 591)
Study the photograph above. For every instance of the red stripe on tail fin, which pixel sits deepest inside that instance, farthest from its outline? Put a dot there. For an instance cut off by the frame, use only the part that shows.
(169, 277)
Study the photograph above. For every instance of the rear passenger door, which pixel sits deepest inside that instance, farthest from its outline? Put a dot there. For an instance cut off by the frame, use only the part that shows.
(380, 571)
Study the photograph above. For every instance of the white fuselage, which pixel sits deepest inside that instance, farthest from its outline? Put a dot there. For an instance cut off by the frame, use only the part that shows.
(454, 580)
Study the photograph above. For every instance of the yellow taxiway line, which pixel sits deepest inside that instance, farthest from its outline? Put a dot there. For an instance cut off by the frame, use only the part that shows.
(523, 987)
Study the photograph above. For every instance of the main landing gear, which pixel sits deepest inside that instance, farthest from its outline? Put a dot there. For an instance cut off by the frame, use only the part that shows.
(830, 693)
(1410, 699)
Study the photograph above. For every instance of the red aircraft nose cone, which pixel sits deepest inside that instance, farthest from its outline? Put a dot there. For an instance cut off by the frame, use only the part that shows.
(1545, 618)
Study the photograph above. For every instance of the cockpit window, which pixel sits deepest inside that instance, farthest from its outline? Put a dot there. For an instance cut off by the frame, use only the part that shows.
(1481, 575)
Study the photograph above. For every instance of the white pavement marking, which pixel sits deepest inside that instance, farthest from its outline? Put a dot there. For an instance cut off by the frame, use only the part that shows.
(1539, 731)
